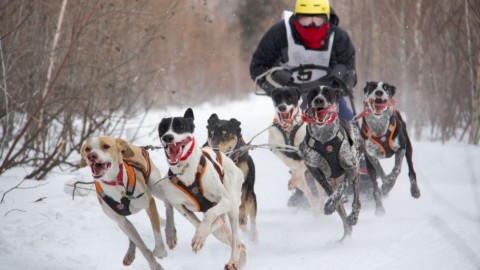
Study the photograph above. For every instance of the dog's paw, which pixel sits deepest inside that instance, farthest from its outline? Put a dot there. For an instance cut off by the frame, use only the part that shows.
(128, 259)
(352, 219)
(379, 211)
(198, 241)
(160, 252)
(415, 191)
(171, 235)
(292, 184)
(330, 207)
(386, 187)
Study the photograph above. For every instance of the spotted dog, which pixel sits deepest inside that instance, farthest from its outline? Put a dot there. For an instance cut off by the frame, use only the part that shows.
(288, 129)
(124, 175)
(331, 151)
(385, 135)
(202, 180)
(226, 136)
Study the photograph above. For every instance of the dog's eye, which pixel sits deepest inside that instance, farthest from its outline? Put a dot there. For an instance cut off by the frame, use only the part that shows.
(88, 149)
(277, 99)
(106, 146)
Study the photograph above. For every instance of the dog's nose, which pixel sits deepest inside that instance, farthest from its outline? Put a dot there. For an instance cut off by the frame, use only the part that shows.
(319, 102)
(92, 156)
(168, 138)
(379, 93)
(282, 108)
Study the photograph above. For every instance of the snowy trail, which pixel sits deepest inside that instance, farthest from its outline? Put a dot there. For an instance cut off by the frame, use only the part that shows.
(441, 230)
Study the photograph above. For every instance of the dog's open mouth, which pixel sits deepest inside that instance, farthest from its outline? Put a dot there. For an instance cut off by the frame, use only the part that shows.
(325, 115)
(174, 151)
(379, 105)
(99, 168)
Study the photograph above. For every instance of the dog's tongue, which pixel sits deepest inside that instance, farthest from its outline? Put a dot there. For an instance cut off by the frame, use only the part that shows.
(284, 116)
(380, 105)
(323, 115)
(97, 168)
(174, 153)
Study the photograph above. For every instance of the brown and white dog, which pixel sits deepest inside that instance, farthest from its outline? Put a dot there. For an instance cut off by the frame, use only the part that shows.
(288, 129)
(385, 135)
(122, 174)
(202, 180)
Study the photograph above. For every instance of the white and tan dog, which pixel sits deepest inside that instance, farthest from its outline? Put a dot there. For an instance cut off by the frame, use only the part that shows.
(202, 180)
(288, 129)
(121, 173)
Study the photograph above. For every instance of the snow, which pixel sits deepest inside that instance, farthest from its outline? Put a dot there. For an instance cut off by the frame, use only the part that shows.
(441, 230)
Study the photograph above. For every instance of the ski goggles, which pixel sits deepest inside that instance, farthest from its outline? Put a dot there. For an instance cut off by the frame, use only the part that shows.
(316, 21)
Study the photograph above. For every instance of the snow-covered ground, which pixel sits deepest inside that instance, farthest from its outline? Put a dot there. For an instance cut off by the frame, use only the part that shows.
(441, 230)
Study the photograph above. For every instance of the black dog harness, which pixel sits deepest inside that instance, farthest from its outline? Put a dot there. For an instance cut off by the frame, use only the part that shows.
(330, 151)
(384, 142)
(289, 140)
(123, 207)
(195, 190)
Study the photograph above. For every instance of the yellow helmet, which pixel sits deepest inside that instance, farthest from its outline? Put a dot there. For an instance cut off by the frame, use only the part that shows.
(312, 7)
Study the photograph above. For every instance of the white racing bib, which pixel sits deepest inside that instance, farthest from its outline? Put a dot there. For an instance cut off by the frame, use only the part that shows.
(299, 56)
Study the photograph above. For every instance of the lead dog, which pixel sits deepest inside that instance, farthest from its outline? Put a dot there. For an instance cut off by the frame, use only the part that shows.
(122, 173)
(385, 135)
(331, 150)
(202, 180)
(226, 136)
(288, 129)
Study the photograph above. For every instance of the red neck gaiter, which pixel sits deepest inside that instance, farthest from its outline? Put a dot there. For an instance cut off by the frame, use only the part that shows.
(312, 37)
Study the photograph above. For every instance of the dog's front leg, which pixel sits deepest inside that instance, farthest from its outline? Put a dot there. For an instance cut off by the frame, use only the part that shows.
(351, 176)
(127, 227)
(320, 178)
(390, 180)
(170, 231)
(372, 174)
(205, 226)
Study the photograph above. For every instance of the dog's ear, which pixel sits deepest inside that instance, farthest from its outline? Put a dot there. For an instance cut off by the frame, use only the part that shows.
(83, 162)
(390, 88)
(367, 87)
(124, 148)
(337, 93)
(312, 93)
(236, 124)
(212, 120)
(189, 114)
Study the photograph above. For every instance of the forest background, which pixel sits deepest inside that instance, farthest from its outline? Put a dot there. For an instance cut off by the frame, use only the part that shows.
(70, 69)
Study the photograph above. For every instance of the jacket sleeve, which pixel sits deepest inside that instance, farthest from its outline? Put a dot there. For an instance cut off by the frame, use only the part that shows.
(344, 53)
(268, 53)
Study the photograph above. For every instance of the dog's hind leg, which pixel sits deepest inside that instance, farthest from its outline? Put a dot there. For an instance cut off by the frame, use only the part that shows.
(159, 251)
(390, 179)
(414, 190)
(238, 250)
(377, 196)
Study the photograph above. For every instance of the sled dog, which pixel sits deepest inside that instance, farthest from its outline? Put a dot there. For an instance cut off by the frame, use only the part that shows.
(202, 180)
(123, 176)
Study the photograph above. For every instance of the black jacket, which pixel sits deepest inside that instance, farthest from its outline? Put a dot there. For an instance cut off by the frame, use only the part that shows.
(273, 48)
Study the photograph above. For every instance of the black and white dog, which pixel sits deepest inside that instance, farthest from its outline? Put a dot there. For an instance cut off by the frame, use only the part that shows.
(226, 136)
(331, 150)
(202, 180)
(288, 129)
(385, 135)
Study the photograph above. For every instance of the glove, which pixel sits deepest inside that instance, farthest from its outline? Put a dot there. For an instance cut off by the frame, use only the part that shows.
(282, 77)
(339, 75)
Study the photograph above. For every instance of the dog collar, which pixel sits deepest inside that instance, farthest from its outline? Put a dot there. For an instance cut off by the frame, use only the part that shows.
(190, 150)
(119, 180)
